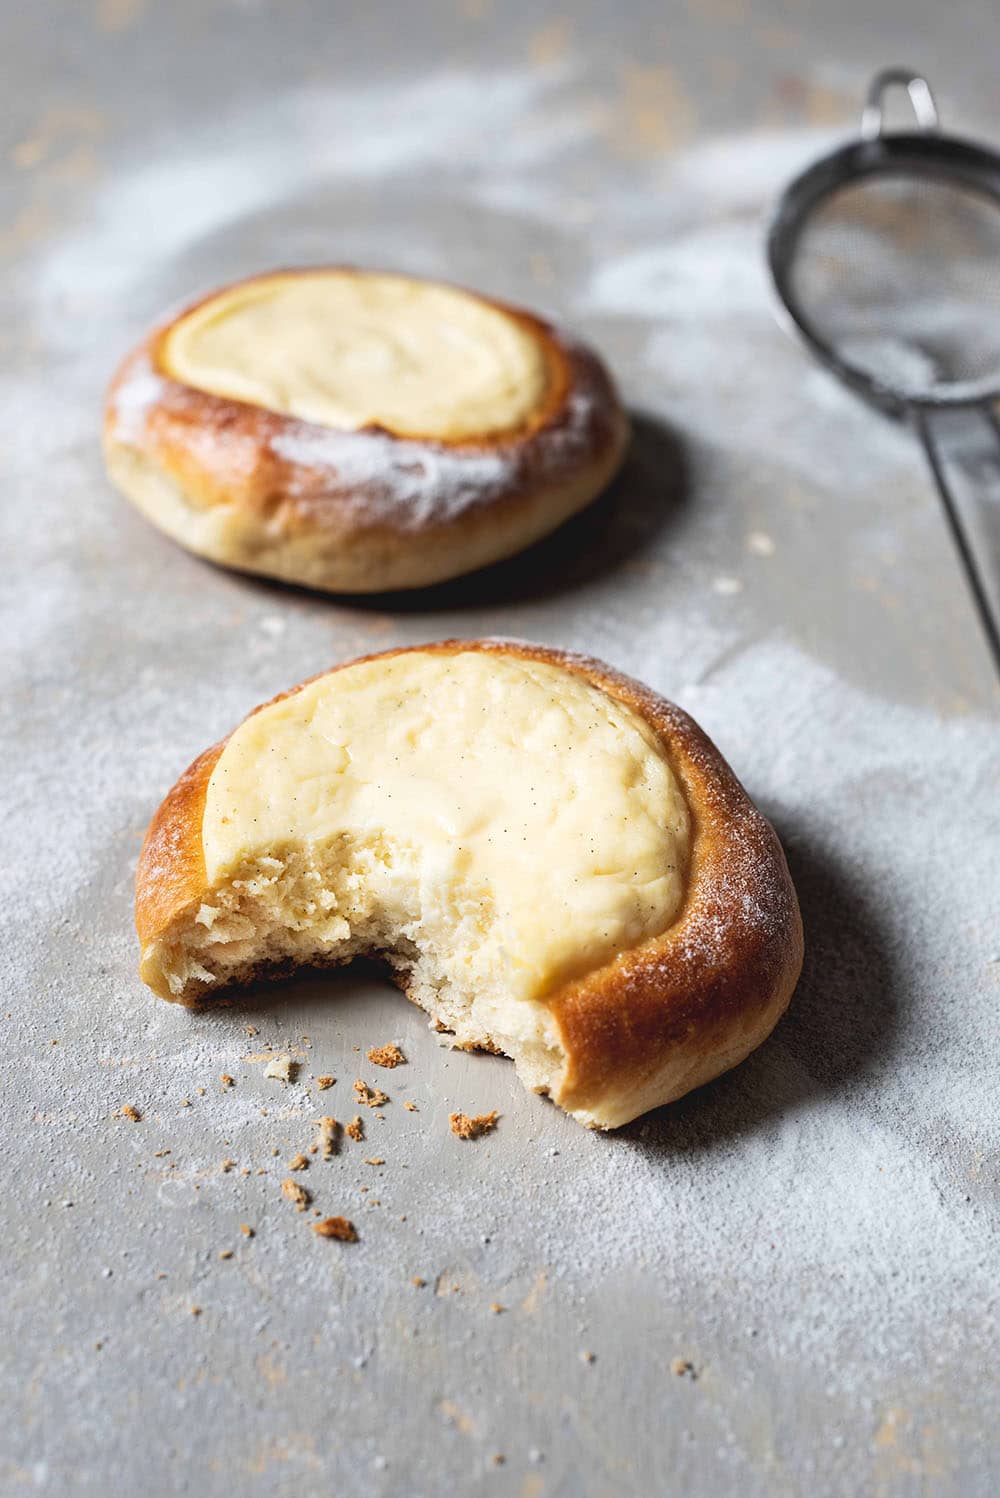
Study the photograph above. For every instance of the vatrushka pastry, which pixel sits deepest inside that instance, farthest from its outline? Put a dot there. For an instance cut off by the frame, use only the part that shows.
(360, 432)
(552, 861)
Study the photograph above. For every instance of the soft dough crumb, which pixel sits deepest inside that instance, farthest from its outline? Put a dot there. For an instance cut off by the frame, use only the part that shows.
(283, 1068)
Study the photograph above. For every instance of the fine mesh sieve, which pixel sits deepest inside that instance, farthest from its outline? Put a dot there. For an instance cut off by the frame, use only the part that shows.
(886, 256)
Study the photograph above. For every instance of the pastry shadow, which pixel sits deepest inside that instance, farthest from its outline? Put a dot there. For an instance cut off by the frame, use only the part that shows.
(838, 1034)
(647, 492)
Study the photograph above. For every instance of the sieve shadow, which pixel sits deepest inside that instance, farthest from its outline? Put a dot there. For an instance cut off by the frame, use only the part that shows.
(648, 492)
(838, 1034)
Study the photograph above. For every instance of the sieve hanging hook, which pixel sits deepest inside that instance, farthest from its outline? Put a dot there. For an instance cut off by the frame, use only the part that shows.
(921, 98)
(902, 300)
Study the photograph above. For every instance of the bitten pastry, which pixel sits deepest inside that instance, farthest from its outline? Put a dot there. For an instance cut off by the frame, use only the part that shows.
(553, 862)
(360, 432)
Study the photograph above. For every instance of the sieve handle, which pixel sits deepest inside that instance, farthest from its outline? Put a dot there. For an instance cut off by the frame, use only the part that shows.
(921, 98)
(988, 618)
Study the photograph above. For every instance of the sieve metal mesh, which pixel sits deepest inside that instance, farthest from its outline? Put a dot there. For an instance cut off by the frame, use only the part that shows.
(897, 274)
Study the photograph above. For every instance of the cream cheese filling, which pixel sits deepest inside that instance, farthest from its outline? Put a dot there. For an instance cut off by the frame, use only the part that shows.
(349, 349)
(505, 800)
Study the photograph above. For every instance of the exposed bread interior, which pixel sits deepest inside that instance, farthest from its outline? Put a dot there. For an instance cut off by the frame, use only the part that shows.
(556, 863)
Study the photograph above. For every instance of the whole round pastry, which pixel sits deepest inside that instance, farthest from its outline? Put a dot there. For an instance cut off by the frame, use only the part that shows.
(551, 860)
(360, 432)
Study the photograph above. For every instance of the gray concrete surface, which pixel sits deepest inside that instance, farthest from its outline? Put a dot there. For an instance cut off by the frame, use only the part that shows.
(816, 1234)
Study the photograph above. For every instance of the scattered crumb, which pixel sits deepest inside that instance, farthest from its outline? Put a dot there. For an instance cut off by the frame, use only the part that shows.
(185, 1102)
(159, 1154)
(324, 1082)
(296, 1194)
(329, 1131)
(498, 1458)
(371, 1097)
(196, 1310)
(227, 1080)
(246, 1230)
(386, 1055)
(471, 1128)
(336, 1227)
(416, 1280)
(411, 1107)
(201, 1092)
(249, 1029)
(588, 1357)
(682, 1368)
(282, 1068)
(225, 1253)
(375, 1160)
(355, 1129)
(299, 1162)
(128, 1111)
(227, 1166)
(496, 1307)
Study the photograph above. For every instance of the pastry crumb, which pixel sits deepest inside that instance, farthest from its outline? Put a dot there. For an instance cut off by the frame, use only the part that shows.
(411, 1107)
(299, 1162)
(416, 1280)
(282, 1068)
(296, 1194)
(196, 1310)
(246, 1230)
(128, 1110)
(324, 1082)
(227, 1080)
(471, 1128)
(496, 1307)
(336, 1227)
(227, 1166)
(375, 1160)
(355, 1129)
(225, 1253)
(588, 1357)
(249, 1029)
(370, 1097)
(329, 1131)
(386, 1055)
(683, 1368)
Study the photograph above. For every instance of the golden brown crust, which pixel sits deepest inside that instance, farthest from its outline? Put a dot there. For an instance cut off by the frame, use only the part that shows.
(659, 1019)
(362, 511)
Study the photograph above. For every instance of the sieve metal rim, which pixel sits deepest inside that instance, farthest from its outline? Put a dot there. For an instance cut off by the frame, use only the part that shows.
(947, 158)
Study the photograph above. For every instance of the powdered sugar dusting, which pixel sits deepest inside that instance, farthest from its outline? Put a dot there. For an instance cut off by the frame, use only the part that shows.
(817, 1232)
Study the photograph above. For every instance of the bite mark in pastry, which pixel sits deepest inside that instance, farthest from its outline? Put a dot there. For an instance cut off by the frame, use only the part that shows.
(553, 862)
